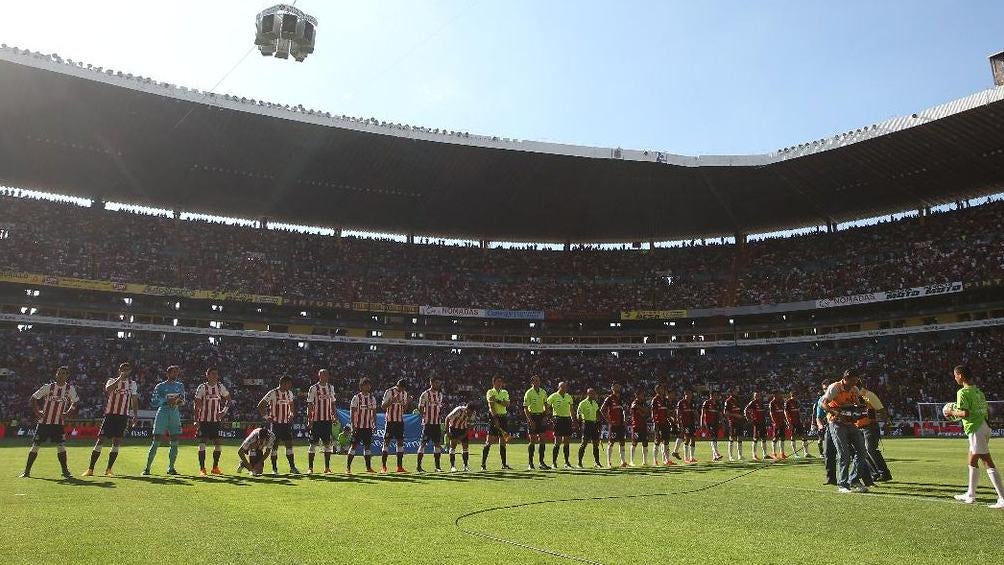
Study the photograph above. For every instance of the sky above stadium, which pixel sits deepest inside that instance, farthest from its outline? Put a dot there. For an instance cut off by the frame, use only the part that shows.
(686, 77)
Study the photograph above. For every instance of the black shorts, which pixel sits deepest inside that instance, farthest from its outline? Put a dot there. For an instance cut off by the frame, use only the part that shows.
(797, 429)
(458, 434)
(687, 430)
(734, 430)
(114, 425)
(209, 430)
(778, 431)
(320, 431)
(640, 434)
(499, 425)
(590, 431)
(393, 430)
(562, 426)
(663, 432)
(713, 429)
(283, 432)
(538, 425)
(363, 436)
(433, 433)
(758, 430)
(256, 459)
(617, 433)
(49, 432)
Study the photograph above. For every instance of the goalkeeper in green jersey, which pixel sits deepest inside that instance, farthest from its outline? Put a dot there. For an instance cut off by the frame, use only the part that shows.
(971, 407)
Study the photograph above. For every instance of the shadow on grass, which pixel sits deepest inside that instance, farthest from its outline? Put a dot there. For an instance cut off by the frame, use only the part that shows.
(75, 482)
(170, 481)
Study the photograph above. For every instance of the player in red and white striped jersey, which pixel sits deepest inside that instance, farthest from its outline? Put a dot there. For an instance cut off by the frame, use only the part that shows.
(320, 414)
(430, 406)
(211, 402)
(278, 409)
(254, 449)
(362, 412)
(457, 423)
(120, 402)
(395, 403)
(59, 400)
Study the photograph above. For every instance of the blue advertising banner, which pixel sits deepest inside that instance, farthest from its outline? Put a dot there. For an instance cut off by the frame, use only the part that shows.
(412, 430)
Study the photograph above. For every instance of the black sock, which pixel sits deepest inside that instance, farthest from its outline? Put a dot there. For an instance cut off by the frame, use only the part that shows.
(94, 459)
(32, 455)
(421, 453)
(453, 459)
(348, 459)
(275, 463)
(502, 454)
(202, 460)
(400, 458)
(484, 455)
(564, 451)
(596, 453)
(369, 461)
(540, 452)
(289, 459)
(582, 451)
(62, 460)
(111, 458)
(438, 457)
(529, 453)
(327, 459)
(554, 456)
(310, 459)
(465, 457)
(383, 458)
(216, 458)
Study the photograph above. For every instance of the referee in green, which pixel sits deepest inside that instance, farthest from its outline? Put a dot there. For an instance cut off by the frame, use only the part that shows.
(498, 406)
(586, 413)
(534, 405)
(561, 407)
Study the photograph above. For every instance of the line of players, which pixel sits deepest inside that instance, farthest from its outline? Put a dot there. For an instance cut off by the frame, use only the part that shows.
(55, 401)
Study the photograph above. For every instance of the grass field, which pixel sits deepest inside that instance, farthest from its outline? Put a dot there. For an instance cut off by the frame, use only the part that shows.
(779, 514)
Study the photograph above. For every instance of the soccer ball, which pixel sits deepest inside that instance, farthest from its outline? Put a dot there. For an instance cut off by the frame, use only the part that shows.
(947, 409)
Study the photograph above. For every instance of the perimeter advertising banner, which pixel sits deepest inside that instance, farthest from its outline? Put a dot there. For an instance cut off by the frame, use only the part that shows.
(412, 430)
(888, 295)
(653, 314)
(481, 313)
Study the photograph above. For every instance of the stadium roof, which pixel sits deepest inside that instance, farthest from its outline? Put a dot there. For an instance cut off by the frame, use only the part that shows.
(78, 131)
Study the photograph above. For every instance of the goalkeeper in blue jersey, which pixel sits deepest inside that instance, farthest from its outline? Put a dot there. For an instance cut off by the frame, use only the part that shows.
(168, 395)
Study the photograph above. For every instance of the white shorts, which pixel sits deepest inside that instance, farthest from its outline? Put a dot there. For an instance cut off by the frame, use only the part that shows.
(979, 440)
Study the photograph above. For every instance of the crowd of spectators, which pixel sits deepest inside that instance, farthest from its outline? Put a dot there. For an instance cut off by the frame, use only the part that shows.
(62, 239)
(902, 370)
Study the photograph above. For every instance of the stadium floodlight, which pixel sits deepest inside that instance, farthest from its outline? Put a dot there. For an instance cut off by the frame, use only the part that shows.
(283, 30)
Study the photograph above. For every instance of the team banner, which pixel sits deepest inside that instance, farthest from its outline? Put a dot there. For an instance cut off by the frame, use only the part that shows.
(481, 313)
(653, 314)
(134, 288)
(889, 295)
(412, 430)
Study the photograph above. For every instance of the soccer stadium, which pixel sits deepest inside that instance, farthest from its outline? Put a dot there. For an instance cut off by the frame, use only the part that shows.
(237, 330)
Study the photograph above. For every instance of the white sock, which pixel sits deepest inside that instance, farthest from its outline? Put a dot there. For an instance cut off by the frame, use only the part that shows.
(620, 448)
(805, 447)
(794, 449)
(714, 448)
(676, 448)
(633, 447)
(739, 449)
(610, 451)
(644, 456)
(995, 479)
(974, 480)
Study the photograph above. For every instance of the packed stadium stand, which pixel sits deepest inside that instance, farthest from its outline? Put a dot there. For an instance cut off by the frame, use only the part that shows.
(85, 285)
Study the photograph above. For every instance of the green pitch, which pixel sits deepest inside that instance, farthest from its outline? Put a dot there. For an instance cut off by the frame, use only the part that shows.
(780, 514)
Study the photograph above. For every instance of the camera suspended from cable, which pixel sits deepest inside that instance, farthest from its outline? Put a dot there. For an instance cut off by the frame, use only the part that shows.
(283, 30)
